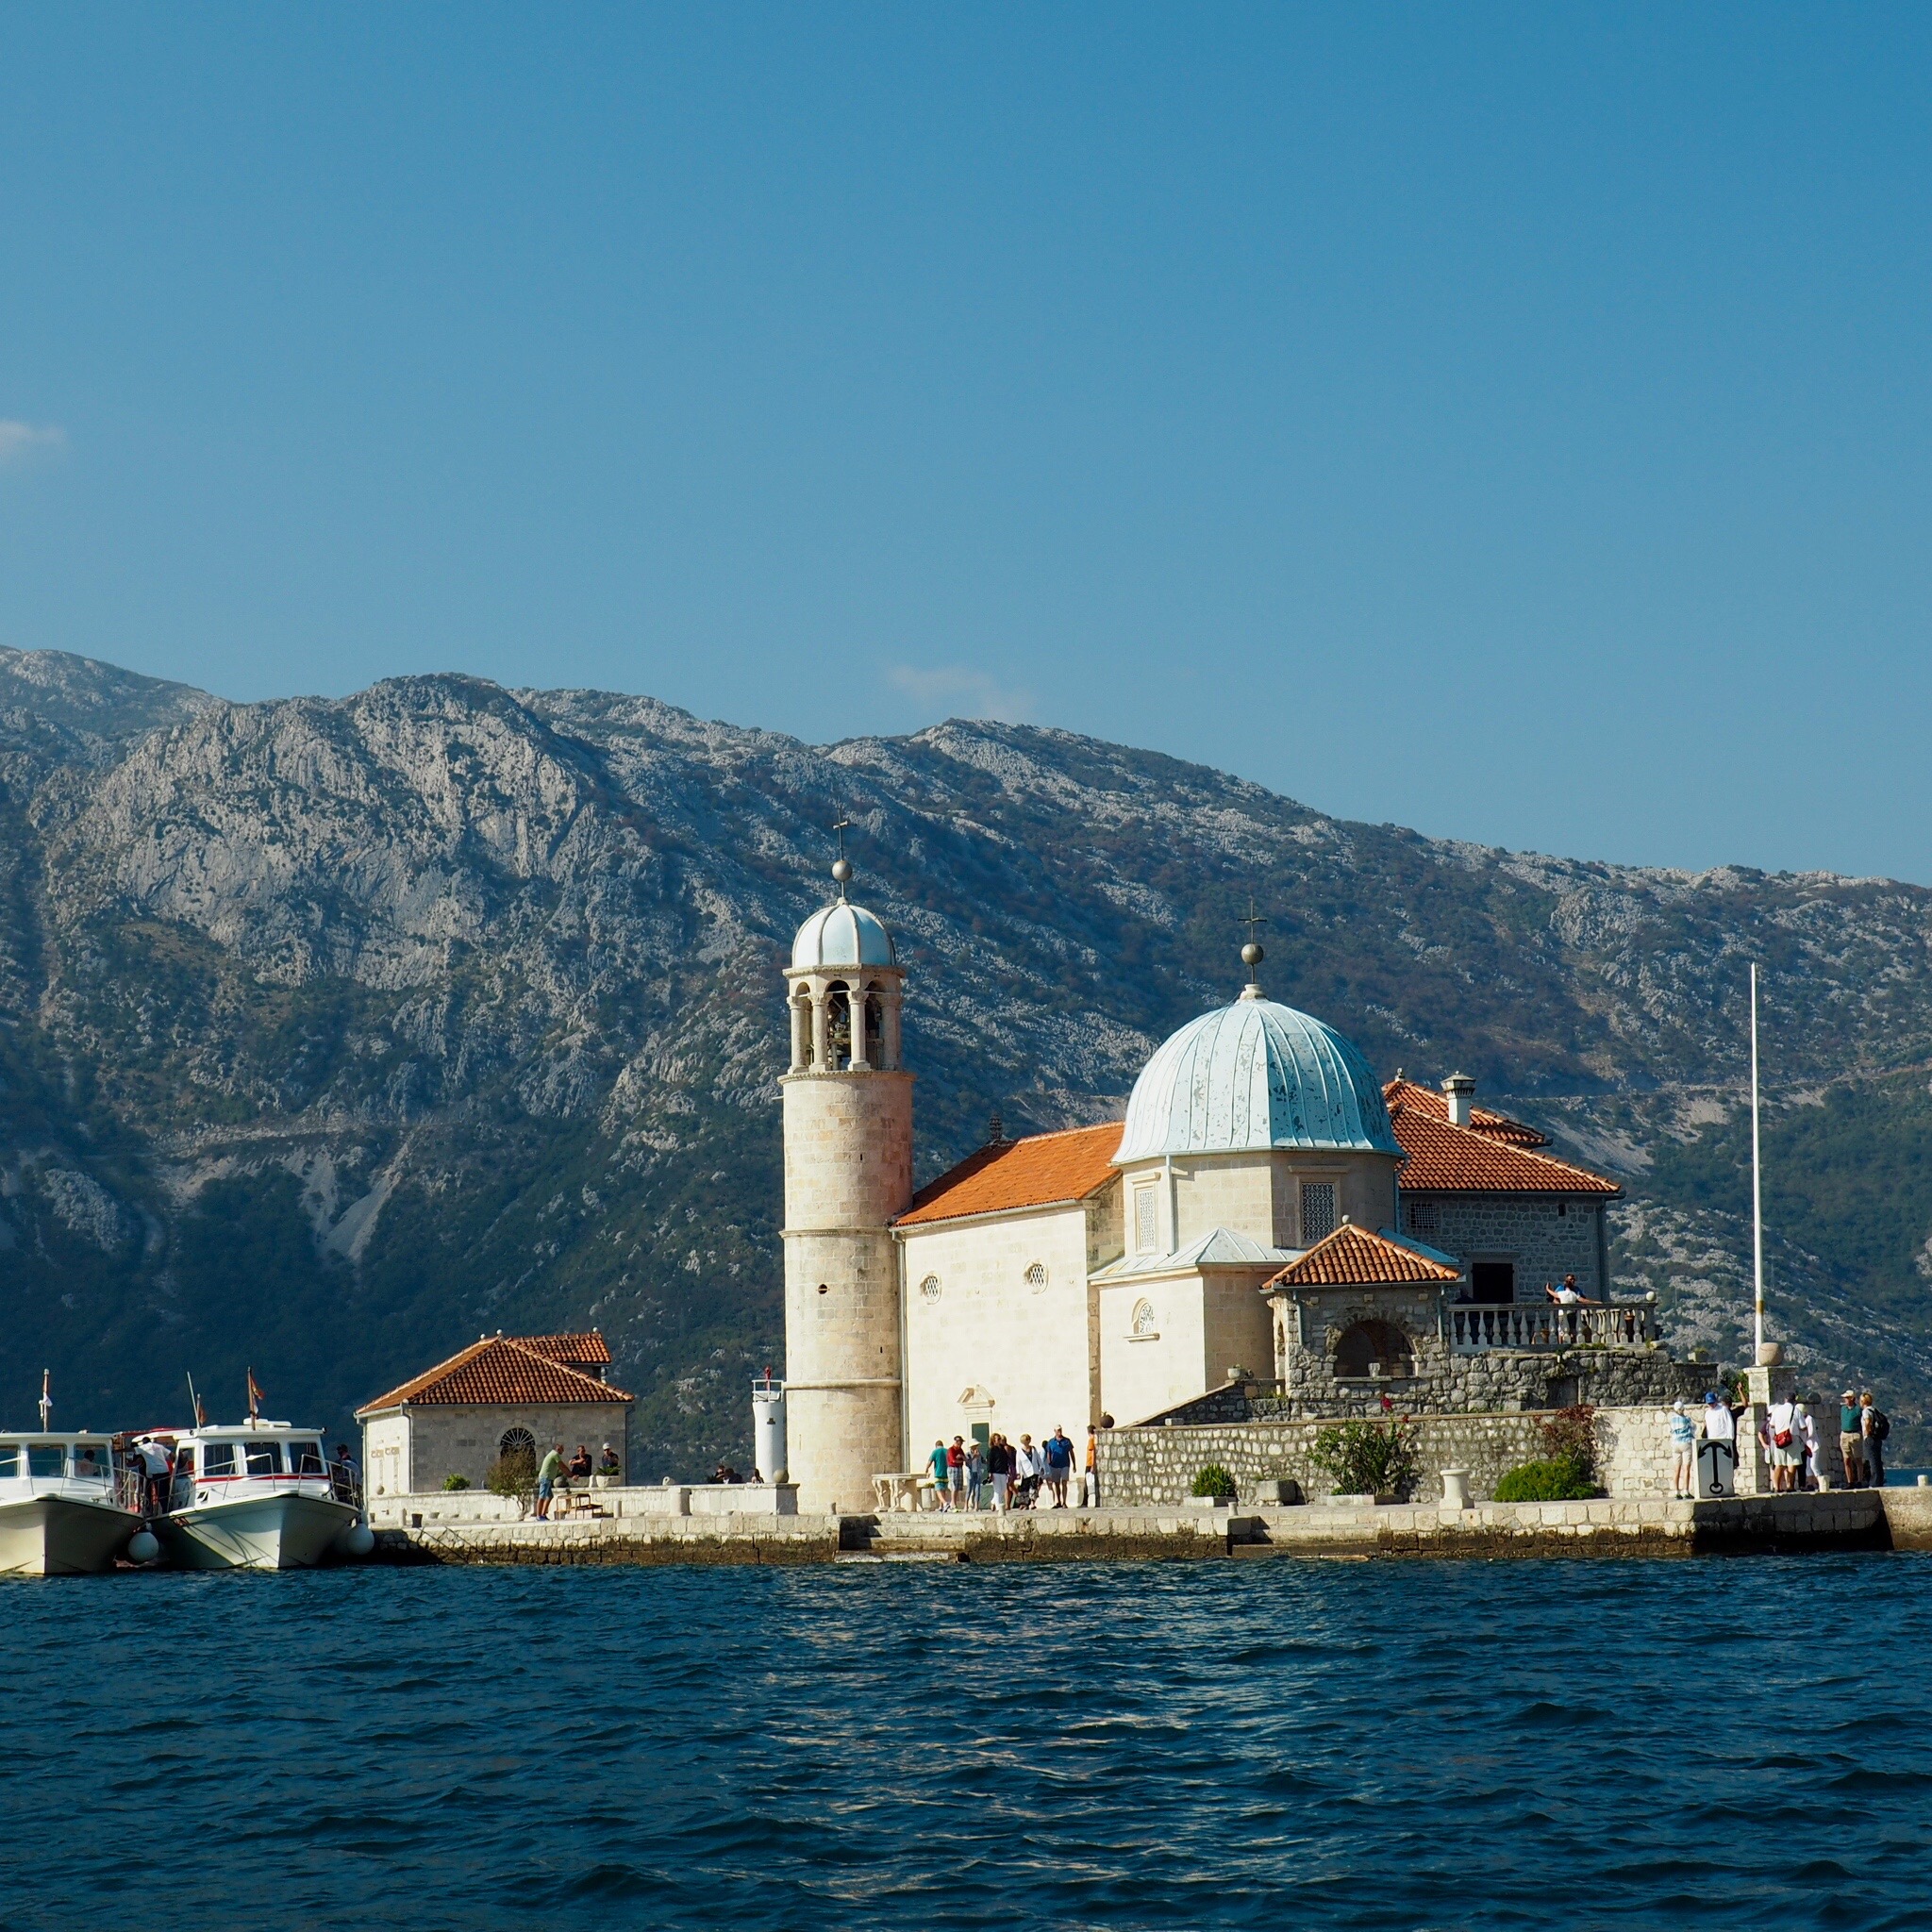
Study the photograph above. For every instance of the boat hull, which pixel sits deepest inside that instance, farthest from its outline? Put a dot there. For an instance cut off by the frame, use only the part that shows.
(255, 1533)
(56, 1536)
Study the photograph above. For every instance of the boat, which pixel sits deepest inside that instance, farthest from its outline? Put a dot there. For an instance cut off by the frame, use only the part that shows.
(257, 1495)
(68, 1505)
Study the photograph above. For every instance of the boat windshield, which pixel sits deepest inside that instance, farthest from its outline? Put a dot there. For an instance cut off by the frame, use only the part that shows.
(46, 1458)
(305, 1458)
(220, 1458)
(265, 1458)
(9, 1459)
(92, 1461)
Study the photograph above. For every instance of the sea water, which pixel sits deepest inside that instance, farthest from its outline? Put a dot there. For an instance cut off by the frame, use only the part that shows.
(1277, 1744)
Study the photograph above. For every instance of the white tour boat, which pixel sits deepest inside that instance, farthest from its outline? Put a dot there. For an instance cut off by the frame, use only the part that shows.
(67, 1506)
(257, 1495)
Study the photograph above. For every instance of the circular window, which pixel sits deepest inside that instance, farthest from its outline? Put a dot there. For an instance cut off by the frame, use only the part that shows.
(1143, 1319)
(929, 1289)
(1036, 1278)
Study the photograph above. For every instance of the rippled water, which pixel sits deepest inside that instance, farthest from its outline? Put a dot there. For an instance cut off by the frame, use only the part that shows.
(1275, 1744)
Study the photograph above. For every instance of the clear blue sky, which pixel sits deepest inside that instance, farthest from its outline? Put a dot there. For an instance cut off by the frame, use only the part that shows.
(1508, 422)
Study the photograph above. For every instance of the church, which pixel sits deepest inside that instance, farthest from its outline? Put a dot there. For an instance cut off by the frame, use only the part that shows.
(1268, 1213)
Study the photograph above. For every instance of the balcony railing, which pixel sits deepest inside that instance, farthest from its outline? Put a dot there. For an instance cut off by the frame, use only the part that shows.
(1473, 1329)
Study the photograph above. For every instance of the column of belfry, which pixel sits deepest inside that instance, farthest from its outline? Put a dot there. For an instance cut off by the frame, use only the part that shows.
(848, 1172)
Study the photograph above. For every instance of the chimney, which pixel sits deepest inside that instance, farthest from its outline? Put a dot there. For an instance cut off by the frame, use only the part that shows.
(1460, 1090)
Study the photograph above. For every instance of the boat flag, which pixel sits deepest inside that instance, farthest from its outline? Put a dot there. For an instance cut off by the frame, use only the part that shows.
(46, 1399)
(254, 1398)
(194, 1403)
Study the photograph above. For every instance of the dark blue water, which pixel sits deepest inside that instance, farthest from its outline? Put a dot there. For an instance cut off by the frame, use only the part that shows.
(1276, 1744)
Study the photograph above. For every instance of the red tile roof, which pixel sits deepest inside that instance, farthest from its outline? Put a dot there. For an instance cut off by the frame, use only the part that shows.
(576, 1349)
(499, 1370)
(1038, 1171)
(1443, 1159)
(1354, 1257)
(1482, 1120)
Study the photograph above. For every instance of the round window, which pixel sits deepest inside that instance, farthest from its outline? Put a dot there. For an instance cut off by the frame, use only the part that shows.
(929, 1289)
(1035, 1277)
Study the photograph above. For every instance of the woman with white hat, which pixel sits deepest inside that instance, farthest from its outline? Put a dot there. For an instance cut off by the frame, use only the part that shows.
(1683, 1450)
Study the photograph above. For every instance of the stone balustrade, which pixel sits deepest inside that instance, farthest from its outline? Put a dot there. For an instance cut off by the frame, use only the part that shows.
(1527, 1325)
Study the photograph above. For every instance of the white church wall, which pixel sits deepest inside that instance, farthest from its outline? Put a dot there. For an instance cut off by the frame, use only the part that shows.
(1237, 1328)
(1153, 1342)
(1235, 1191)
(976, 1326)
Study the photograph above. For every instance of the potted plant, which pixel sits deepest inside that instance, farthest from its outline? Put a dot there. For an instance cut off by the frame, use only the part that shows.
(1214, 1488)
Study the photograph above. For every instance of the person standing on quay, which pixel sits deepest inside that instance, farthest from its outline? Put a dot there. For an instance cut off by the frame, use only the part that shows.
(999, 1467)
(976, 1477)
(547, 1473)
(1059, 1463)
(1026, 1469)
(1783, 1441)
(1851, 1439)
(1873, 1426)
(936, 1467)
(956, 1476)
(1683, 1450)
(1090, 1491)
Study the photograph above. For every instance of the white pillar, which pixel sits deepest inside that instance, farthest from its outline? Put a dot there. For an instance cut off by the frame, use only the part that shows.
(821, 1029)
(855, 1006)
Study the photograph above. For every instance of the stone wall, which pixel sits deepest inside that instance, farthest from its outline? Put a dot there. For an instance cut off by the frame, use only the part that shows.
(1527, 1229)
(1154, 1467)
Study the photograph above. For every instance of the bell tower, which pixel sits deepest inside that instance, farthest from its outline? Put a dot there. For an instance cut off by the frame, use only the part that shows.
(848, 1171)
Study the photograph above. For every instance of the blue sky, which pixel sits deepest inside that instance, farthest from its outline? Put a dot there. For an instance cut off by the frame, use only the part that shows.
(1507, 421)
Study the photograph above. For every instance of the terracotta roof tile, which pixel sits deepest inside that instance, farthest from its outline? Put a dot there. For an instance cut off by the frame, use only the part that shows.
(1034, 1173)
(1482, 1120)
(576, 1349)
(1458, 1160)
(1354, 1257)
(499, 1369)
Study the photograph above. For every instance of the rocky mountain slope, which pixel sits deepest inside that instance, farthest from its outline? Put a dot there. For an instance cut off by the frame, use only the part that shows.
(333, 1033)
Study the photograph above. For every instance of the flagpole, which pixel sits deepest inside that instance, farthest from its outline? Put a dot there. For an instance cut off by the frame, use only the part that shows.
(46, 1399)
(1756, 1180)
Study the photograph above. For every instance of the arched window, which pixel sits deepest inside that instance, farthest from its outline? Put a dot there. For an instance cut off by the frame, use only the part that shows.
(1036, 1278)
(1374, 1348)
(1143, 1319)
(517, 1443)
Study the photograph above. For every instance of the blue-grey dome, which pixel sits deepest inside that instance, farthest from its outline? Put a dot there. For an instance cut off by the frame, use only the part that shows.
(843, 934)
(1251, 1076)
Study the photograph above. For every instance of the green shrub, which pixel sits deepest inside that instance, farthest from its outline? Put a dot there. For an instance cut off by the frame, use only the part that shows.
(1366, 1458)
(514, 1474)
(1214, 1481)
(1569, 1436)
(1560, 1479)
(456, 1482)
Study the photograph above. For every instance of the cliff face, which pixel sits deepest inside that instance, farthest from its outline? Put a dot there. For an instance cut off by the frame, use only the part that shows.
(333, 1033)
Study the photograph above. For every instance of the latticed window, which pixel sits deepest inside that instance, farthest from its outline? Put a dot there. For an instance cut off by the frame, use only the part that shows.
(1421, 1217)
(1143, 1318)
(1035, 1277)
(929, 1287)
(1318, 1210)
(1143, 1220)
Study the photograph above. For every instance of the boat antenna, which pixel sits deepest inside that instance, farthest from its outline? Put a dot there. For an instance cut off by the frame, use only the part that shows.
(1756, 1181)
(46, 1399)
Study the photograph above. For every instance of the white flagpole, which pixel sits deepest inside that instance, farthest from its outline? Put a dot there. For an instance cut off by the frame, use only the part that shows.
(1757, 1177)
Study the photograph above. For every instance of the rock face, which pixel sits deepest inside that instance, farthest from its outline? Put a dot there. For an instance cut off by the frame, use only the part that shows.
(332, 1033)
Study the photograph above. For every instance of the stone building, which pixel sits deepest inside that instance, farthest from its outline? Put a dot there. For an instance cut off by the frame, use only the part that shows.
(1268, 1218)
(501, 1394)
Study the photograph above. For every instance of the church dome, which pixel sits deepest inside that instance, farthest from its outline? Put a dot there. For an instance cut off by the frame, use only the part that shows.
(842, 935)
(1252, 1076)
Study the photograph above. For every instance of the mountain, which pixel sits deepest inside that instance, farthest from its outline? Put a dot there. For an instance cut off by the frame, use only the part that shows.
(333, 1033)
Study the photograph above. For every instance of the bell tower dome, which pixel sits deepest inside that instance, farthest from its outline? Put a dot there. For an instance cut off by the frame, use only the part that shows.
(848, 1172)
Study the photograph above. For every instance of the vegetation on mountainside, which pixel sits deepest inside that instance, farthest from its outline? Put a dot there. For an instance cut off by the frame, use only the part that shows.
(332, 1034)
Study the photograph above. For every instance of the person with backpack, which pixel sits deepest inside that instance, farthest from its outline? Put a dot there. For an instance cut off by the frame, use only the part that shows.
(1784, 1439)
(1874, 1425)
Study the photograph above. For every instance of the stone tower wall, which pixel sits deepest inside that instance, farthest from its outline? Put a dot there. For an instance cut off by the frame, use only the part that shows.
(848, 1171)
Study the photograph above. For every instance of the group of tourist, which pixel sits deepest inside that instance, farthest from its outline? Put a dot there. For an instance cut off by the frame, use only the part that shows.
(999, 1474)
(1789, 1435)
(555, 1473)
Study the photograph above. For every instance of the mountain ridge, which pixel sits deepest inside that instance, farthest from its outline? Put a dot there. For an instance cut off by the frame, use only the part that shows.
(453, 1004)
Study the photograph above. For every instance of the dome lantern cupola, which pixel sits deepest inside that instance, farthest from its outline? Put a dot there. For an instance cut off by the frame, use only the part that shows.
(846, 987)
